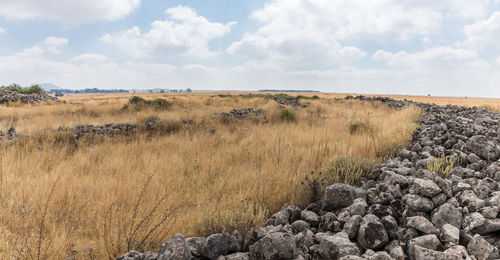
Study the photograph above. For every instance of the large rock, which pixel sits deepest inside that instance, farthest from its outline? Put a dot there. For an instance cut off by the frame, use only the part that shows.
(447, 213)
(480, 248)
(338, 196)
(274, 246)
(221, 244)
(426, 187)
(372, 233)
(175, 248)
(486, 148)
(450, 234)
(418, 203)
(421, 224)
(336, 246)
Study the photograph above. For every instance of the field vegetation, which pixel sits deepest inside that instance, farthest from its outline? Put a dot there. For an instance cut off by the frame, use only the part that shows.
(98, 199)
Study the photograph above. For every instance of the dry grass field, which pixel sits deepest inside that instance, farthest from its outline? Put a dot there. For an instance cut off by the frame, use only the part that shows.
(99, 199)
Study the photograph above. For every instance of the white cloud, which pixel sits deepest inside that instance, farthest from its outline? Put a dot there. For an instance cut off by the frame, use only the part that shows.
(50, 45)
(90, 57)
(430, 58)
(69, 12)
(301, 34)
(2, 30)
(53, 44)
(186, 33)
(484, 33)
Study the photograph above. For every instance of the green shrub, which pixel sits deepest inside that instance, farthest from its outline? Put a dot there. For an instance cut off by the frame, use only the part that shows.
(140, 103)
(443, 164)
(347, 169)
(287, 115)
(341, 169)
(389, 150)
(358, 127)
(33, 89)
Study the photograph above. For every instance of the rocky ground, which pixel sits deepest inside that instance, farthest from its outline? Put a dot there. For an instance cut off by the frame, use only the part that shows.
(7, 96)
(401, 211)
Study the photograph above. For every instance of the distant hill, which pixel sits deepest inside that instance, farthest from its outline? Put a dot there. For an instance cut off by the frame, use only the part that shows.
(49, 86)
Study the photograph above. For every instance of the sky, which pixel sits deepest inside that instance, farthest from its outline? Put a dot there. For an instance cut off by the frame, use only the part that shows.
(417, 47)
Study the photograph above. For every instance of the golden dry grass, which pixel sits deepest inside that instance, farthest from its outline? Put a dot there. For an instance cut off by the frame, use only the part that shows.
(106, 198)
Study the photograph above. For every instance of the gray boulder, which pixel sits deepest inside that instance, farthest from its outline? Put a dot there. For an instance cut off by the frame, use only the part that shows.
(175, 248)
(336, 246)
(426, 187)
(338, 196)
(421, 224)
(480, 248)
(274, 246)
(486, 148)
(447, 213)
(372, 233)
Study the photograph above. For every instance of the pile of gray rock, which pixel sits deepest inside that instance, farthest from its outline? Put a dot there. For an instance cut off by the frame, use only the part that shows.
(106, 130)
(10, 134)
(7, 96)
(283, 102)
(241, 113)
(400, 211)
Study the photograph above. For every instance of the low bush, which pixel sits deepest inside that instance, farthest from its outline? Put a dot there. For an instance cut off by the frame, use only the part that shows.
(443, 164)
(341, 169)
(140, 103)
(33, 89)
(287, 115)
(358, 127)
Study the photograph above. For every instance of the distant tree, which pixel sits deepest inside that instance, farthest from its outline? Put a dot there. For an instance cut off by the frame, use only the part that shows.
(188, 90)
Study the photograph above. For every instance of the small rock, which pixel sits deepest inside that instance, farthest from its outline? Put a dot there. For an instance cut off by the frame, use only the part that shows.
(450, 234)
(472, 221)
(480, 248)
(422, 224)
(372, 234)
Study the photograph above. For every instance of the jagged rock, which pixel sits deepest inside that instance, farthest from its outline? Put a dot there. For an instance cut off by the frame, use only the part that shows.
(221, 244)
(351, 227)
(329, 222)
(300, 225)
(488, 149)
(489, 226)
(480, 248)
(310, 217)
(198, 246)
(280, 218)
(472, 221)
(336, 246)
(450, 234)
(276, 245)
(418, 203)
(422, 224)
(372, 233)
(339, 196)
(238, 256)
(358, 207)
(426, 187)
(447, 213)
(418, 252)
(175, 248)
(456, 252)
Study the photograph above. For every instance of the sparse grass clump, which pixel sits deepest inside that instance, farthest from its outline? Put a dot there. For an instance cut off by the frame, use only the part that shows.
(358, 127)
(443, 164)
(287, 115)
(140, 103)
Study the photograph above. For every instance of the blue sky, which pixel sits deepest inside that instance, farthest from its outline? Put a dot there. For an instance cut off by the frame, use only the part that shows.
(448, 47)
